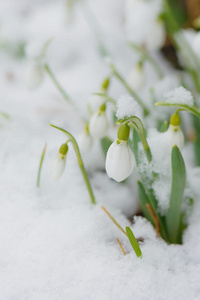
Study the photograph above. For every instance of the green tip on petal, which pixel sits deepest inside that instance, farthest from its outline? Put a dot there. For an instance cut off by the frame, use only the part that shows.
(102, 107)
(175, 119)
(105, 84)
(123, 132)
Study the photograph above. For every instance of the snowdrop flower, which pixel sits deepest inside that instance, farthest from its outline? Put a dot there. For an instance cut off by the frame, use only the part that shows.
(119, 160)
(59, 163)
(85, 141)
(99, 125)
(136, 77)
(35, 74)
(174, 134)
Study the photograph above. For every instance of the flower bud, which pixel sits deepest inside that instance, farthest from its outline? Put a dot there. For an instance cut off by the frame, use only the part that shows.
(99, 124)
(174, 134)
(119, 160)
(59, 163)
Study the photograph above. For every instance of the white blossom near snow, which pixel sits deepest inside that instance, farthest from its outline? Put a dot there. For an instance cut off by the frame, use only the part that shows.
(173, 136)
(85, 142)
(98, 125)
(58, 166)
(127, 107)
(119, 160)
(35, 74)
(136, 78)
(179, 96)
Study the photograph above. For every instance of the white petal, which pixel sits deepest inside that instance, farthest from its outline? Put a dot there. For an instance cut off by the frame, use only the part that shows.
(84, 142)
(98, 126)
(173, 137)
(119, 161)
(58, 166)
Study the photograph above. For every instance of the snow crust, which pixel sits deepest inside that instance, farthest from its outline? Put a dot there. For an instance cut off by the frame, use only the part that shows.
(127, 107)
(179, 96)
(54, 244)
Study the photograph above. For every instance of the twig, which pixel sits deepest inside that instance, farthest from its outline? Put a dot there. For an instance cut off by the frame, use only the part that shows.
(114, 221)
(121, 246)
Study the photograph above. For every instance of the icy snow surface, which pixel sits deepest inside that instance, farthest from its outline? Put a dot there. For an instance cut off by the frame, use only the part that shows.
(179, 96)
(54, 245)
(127, 107)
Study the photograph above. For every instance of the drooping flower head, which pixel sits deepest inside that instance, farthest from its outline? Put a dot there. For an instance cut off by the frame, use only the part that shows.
(119, 160)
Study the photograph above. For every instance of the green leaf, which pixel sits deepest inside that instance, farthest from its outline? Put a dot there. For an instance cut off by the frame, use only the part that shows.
(134, 145)
(173, 217)
(133, 242)
(196, 124)
(105, 144)
(164, 126)
(144, 199)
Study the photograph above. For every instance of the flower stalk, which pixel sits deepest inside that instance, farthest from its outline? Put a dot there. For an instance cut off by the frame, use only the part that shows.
(80, 162)
(57, 84)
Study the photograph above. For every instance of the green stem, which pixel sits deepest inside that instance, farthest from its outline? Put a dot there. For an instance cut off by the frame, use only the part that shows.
(145, 55)
(80, 162)
(129, 89)
(57, 84)
(40, 165)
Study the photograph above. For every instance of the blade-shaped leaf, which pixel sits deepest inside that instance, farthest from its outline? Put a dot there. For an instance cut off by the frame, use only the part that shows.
(173, 217)
(133, 242)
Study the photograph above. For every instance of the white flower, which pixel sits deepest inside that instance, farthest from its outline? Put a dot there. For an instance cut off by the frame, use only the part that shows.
(35, 74)
(58, 166)
(136, 78)
(99, 125)
(84, 142)
(119, 160)
(174, 136)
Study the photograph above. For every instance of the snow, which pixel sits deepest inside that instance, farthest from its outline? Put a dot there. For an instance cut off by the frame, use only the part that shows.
(127, 107)
(54, 243)
(179, 96)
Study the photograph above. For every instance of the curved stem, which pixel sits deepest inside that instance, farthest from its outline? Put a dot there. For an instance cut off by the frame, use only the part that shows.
(57, 84)
(80, 162)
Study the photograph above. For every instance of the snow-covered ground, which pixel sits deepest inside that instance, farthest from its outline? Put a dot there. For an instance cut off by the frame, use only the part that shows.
(54, 244)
